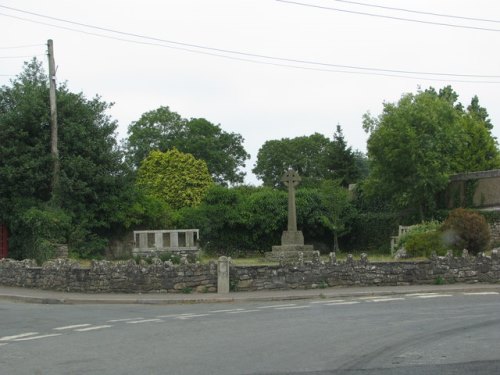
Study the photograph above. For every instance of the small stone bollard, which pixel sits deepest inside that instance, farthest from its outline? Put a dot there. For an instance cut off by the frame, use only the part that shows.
(333, 258)
(223, 275)
(364, 259)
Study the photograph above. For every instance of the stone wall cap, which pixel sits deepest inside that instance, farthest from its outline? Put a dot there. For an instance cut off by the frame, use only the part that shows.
(473, 175)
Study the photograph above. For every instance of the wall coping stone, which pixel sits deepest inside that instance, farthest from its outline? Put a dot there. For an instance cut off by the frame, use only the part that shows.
(473, 175)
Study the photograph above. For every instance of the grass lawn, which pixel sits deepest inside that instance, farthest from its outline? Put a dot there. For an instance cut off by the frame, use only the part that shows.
(260, 260)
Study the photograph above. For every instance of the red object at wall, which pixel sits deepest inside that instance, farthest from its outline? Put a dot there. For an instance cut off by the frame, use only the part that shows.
(4, 241)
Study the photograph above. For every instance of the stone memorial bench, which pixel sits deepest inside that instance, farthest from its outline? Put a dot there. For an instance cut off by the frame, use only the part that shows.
(155, 242)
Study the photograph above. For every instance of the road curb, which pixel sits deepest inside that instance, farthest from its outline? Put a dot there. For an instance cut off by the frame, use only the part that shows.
(30, 299)
(241, 297)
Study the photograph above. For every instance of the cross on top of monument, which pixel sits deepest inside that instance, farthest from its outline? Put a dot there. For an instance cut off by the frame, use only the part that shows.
(291, 178)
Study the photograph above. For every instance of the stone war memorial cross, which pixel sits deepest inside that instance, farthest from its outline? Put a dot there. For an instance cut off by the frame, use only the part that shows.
(291, 236)
(292, 240)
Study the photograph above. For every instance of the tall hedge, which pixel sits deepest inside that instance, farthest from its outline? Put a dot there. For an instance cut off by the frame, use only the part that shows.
(244, 219)
(371, 232)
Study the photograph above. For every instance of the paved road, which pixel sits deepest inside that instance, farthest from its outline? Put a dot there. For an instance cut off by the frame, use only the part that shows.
(416, 333)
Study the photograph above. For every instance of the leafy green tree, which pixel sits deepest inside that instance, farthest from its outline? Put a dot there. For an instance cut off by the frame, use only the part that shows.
(362, 165)
(25, 133)
(479, 113)
(92, 173)
(305, 154)
(315, 157)
(176, 178)
(162, 129)
(416, 144)
(478, 150)
(339, 210)
(341, 161)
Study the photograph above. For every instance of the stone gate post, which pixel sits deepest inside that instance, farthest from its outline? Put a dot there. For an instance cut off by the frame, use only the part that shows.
(223, 275)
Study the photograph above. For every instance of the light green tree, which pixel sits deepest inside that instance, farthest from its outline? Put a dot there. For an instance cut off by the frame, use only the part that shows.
(175, 178)
(415, 145)
(163, 129)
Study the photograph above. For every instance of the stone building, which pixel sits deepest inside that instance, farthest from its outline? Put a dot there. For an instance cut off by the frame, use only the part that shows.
(474, 189)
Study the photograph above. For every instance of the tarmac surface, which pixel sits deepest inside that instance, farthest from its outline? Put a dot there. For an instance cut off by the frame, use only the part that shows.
(28, 295)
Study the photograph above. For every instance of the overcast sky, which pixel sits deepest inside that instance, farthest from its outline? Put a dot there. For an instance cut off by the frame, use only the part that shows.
(200, 58)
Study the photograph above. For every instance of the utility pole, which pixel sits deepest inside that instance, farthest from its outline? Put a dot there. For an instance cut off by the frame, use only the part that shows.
(53, 122)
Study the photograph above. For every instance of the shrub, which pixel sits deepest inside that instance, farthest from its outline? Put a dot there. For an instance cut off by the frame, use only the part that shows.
(168, 256)
(423, 244)
(465, 229)
(39, 230)
(423, 239)
(417, 229)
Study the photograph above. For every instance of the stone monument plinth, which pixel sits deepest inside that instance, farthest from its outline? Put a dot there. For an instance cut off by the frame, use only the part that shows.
(292, 246)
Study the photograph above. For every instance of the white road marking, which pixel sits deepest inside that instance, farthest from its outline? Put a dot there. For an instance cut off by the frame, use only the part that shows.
(293, 307)
(276, 306)
(419, 294)
(38, 337)
(435, 296)
(92, 328)
(172, 315)
(72, 327)
(185, 317)
(480, 293)
(343, 303)
(327, 301)
(372, 297)
(8, 338)
(122, 320)
(241, 312)
(386, 299)
(144, 321)
(225, 311)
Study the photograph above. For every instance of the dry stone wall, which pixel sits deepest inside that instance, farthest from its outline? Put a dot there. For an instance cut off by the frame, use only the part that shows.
(363, 273)
(495, 232)
(110, 277)
(129, 277)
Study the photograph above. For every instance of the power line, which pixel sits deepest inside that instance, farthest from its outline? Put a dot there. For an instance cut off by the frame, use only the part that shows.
(250, 57)
(388, 17)
(246, 54)
(25, 46)
(19, 57)
(417, 11)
